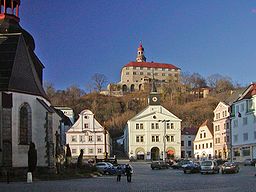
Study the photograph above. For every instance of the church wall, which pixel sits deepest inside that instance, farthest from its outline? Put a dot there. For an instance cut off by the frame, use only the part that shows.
(38, 130)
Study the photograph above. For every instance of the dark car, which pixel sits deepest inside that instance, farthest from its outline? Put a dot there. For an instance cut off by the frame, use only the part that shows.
(249, 162)
(230, 167)
(192, 167)
(159, 165)
(179, 164)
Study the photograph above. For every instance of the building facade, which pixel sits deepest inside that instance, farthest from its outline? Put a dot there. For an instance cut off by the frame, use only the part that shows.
(203, 143)
(221, 128)
(154, 133)
(88, 135)
(188, 135)
(243, 125)
(137, 75)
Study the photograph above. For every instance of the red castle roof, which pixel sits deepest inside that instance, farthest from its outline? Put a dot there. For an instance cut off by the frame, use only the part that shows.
(151, 65)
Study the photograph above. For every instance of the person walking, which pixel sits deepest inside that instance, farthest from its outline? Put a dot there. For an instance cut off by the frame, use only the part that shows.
(118, 173)
(128, 171)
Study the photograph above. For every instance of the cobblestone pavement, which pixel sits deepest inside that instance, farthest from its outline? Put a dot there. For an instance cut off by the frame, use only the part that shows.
(145, 179)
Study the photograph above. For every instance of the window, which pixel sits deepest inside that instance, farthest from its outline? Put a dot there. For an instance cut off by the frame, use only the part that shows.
(157, 126)
(137, 125)
(86, 125)
(167, 138)
(141, 126)
(90, 150)
(99, 150)
(199, 146)
(137, 139)
(172, 126)
(245, 136)
(134, 73)
(236, 152)
(172, 138)
(189, 143)
(99, 138)
(86, 117)
(152, 126)
(202, 146)
(210, 145)
(168, 125)
(90, 138)
(206, 145)
(246, 151)
(127, 73)
(245, 121)
(204, 135)
(201, 135)
(73, 138)
(25, 127)
(148, 73)
(81, 138)
(235, 123)
(141, 73)
(163, 74)
(73, 151)
(217, 140)
(242, 107)
(196, 146)
(182, 143)
(235, 138)
(141, 139)
(155, 138)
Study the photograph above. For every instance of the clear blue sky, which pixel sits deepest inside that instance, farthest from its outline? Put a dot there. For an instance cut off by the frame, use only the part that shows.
(76, 39)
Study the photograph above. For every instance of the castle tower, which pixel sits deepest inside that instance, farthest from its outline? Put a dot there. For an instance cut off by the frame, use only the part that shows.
(140, 54)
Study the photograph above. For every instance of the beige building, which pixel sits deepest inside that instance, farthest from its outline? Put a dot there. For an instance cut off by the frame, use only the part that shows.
(137, 75)
(203, 143)
(87, 134)
(154, 133)
(221, 127)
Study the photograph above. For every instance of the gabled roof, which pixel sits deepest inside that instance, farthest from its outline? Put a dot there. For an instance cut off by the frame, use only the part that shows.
(151, 65)
(20, 69)
(208, 124)
(249, 92)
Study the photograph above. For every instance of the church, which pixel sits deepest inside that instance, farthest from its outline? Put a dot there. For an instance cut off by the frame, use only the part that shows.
(26, 114)
(154, 133)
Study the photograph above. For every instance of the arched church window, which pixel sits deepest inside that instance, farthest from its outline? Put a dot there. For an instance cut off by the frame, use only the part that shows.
(25, 129)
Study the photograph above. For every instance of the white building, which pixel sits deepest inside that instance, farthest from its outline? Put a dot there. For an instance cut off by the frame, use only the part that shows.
(26, 114)
(87, 134)
(221, 129)
(154, 133)
(188, 135)
(243, 125)
(203, 143)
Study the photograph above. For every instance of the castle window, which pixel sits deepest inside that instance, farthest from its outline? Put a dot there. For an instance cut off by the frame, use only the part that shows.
(25, 128)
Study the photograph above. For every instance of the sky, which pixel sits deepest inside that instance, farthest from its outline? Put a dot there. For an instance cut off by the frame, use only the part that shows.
(76, 39)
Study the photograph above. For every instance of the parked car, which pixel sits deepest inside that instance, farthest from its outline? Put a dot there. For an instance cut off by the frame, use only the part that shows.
(230, 167)
(105, 168)
(159, 165)
(220, 161)
(180, 163)
(209, 166)
(249, 162)
(192, 167)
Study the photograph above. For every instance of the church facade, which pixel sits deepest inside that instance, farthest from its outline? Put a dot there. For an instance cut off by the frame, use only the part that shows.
(26, 114)
(154, 133)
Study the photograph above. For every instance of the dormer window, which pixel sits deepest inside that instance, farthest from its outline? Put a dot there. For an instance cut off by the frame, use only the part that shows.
(86, 117)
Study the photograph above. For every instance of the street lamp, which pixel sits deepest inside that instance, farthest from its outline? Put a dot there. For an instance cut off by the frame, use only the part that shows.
(164, 138)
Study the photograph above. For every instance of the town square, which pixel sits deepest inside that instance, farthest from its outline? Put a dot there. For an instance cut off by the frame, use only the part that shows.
(127, 96)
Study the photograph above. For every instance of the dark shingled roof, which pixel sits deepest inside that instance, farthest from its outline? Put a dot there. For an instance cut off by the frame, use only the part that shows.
(20, 69)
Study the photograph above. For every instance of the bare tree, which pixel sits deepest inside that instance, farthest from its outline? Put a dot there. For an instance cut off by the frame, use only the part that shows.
(99, 81)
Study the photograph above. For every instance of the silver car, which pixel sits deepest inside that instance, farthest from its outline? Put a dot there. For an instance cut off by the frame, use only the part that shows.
(209, 166)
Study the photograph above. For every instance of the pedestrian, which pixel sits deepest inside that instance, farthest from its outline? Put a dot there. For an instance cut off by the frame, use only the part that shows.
(128, 171)
(118, 173)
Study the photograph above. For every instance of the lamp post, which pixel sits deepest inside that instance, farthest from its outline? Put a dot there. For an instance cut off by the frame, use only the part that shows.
(164, 138)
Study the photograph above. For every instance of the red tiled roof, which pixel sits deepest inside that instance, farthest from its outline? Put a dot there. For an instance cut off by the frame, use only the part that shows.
(151, 65)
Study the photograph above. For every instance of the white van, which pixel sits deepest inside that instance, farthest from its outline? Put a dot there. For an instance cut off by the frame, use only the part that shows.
(209, 166)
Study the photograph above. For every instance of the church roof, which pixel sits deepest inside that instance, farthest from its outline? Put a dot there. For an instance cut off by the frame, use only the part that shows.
(20, 69)
(151, 65)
